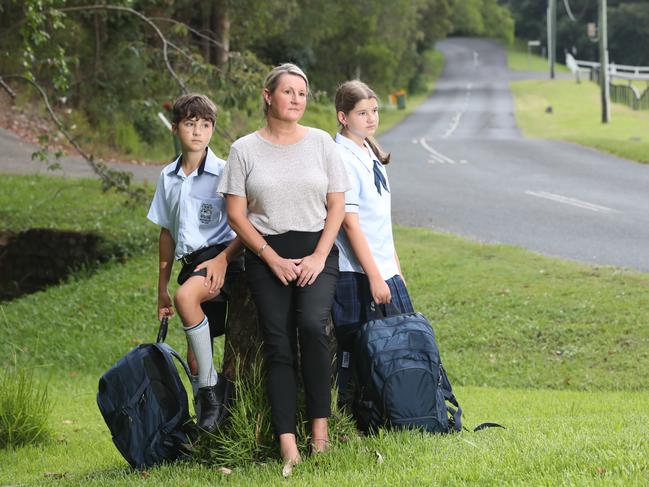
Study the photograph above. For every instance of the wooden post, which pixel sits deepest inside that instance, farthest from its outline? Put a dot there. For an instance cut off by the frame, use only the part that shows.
(552, 36)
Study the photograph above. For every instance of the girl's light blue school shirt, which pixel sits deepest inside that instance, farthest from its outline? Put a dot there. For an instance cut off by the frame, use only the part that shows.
(374, 210)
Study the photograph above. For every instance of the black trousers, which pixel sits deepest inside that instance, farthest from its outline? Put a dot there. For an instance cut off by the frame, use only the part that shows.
(292, 314)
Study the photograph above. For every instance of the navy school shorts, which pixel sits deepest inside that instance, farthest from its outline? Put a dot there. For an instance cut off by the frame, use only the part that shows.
(215, 309)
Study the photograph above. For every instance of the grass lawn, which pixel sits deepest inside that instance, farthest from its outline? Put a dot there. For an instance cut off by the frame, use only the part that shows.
(552, 349)
(519, 60)
(553, 438)
(576, 117)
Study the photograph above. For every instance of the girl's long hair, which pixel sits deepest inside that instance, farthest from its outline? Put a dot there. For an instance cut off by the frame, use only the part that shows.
(348, 95)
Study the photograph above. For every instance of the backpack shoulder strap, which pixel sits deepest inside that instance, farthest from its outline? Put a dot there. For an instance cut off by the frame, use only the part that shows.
(483, 426)
(163, 347)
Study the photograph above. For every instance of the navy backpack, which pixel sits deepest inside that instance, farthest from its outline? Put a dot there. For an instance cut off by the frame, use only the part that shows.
(402, 383)
(144, 404)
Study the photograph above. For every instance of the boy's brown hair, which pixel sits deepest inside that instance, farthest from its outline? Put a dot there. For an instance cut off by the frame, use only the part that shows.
(193, 105)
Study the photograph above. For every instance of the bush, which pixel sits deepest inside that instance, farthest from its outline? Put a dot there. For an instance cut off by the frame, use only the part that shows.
(24, 409)
(248, 436)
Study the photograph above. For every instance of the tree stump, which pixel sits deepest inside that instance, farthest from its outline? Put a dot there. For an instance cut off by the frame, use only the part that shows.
(243, 334)
(243, 337)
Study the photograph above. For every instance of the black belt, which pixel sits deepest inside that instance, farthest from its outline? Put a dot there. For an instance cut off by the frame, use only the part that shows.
(188, 258)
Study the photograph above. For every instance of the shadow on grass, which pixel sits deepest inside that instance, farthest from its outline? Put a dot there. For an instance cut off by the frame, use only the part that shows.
(34, 259)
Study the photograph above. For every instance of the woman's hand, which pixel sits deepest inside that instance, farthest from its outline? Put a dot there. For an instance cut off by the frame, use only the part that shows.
(380, 290)
(286, 270)
(216, 269)
(310, 268)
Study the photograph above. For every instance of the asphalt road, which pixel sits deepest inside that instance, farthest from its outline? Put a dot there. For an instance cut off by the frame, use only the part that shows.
(16, 158)
(461, 165)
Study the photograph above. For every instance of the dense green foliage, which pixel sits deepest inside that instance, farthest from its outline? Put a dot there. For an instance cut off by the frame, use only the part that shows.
(628, 28)
(106, 74)
(484, 18)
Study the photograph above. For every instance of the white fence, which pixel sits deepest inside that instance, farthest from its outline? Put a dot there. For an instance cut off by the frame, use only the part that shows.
(627, 94)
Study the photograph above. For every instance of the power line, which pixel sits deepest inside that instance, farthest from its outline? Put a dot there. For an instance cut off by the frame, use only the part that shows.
(566, 4)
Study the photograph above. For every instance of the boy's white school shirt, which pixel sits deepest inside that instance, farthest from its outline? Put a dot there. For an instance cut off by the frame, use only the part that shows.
(189, 206)
(374, 210)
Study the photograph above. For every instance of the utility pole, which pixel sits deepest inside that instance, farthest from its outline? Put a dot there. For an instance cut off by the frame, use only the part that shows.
(552, 35)
(603, 62)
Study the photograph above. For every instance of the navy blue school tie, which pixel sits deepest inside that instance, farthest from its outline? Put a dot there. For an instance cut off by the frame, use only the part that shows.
(379, 179)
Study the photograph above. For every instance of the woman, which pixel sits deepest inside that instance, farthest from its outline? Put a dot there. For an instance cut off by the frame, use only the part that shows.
(285, 187)
(369, 266)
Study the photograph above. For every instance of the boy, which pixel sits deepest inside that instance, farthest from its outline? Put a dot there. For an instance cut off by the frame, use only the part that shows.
(195, 231)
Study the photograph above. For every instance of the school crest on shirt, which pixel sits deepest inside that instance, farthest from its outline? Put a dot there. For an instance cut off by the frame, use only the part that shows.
(205, 215)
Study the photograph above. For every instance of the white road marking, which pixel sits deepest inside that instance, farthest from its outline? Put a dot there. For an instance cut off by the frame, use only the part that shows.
(415, 141)
(455, 122)
(437, 157)
(570, 201)
(475, 59)
(454, 125)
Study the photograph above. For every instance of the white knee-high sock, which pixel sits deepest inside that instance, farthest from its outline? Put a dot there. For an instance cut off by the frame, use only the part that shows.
(200, 340)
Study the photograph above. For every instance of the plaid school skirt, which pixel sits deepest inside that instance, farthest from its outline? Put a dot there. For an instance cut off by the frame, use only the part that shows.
(352, 298)
(349, 310)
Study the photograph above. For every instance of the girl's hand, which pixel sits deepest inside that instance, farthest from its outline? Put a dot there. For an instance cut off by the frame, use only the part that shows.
(380, 291)
(286, 270)
(165, 307)
(310, 268)
(216, 269)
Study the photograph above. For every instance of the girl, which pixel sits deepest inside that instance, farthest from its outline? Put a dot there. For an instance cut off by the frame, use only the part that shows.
(369, 265)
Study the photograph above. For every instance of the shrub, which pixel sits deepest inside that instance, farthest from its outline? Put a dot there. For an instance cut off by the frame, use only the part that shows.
(24, 409)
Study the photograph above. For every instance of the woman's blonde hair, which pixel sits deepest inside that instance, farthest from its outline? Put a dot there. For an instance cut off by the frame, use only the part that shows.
(272, 78)
(347, 96)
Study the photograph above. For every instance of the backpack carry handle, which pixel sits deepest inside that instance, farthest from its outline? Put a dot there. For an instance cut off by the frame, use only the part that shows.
(377, 311)
(162, 332)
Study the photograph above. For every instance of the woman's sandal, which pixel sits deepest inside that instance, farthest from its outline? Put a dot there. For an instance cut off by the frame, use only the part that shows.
(289, 464)
(319, 445)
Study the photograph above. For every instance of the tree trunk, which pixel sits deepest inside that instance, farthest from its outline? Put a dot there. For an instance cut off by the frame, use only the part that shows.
(206, 15)
(221, 28)
(98, 30)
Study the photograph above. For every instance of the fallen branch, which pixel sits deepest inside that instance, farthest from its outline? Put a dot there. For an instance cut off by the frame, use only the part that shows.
(192, 30)
(9, 91)
(110, 177)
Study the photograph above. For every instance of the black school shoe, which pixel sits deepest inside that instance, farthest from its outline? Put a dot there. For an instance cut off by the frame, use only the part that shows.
(213, 402)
